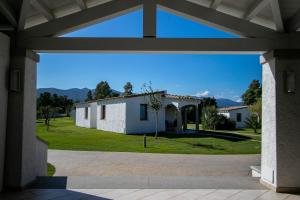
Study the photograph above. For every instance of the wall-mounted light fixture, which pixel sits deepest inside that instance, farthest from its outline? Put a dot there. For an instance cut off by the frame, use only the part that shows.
(15, 80)
(290, 81)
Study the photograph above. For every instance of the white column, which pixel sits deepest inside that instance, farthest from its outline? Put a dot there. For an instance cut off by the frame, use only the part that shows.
(280, 121)
(4, 66)
(185, 119)
(197, 117)
(26, 156)
(179, 121)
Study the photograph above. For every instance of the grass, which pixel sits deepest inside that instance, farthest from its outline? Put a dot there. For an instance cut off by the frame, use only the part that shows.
(64, 135)
(51, 169)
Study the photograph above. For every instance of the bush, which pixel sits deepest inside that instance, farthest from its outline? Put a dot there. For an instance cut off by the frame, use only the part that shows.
(209, 117)
(223, 123)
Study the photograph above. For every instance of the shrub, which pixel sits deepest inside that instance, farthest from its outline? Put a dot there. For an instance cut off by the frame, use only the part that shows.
(223, 123)
(209, 117)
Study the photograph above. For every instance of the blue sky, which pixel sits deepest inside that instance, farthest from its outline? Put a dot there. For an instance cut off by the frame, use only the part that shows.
(222, 76)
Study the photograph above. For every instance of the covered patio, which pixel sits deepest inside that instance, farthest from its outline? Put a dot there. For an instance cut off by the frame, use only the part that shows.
(267, 27)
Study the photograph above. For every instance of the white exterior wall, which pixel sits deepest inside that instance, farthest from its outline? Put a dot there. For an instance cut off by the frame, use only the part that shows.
(133, 123)
(80, 116)
(115, 116)
(280, 127)
(233, 116)
(4, 66)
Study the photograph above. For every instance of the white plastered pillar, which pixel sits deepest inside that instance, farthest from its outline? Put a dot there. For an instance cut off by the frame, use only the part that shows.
(280, 158)
(179, 120)
(4, 68)
(26, 155)
(197, 116)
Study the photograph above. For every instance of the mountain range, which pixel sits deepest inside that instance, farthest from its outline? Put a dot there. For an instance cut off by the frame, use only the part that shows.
(80, 95)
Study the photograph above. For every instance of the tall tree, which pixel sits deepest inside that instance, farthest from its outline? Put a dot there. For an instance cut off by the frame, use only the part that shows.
(253, 93)
(45, 106)
(128, 89)
(89, 96)
(103, 90)
(209, 101)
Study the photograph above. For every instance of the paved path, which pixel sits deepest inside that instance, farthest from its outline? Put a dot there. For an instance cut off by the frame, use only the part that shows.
(161, 194)
(83, 163)
(110, 170)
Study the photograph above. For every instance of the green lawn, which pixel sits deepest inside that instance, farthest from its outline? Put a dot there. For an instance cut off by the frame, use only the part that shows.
(64, 135)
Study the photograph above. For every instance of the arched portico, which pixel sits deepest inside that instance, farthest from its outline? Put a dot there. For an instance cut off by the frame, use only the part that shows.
(171, 117)
(190, 113)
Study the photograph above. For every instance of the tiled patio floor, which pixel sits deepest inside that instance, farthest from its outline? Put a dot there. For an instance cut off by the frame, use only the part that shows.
(155, 194)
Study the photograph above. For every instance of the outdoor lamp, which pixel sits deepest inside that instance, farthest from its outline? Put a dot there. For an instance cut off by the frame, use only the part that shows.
(290, 81)
(15, 82)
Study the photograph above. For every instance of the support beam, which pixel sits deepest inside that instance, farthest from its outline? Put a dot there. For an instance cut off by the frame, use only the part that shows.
(149, 18)
(217, 19)
(43, 9)
(277, 15)
(150, 45)
(215, 4)
(255, 9)
(294, 23)
(23, 14)
(81, 4)
(6, 28)
(84, 18)
(8, 12)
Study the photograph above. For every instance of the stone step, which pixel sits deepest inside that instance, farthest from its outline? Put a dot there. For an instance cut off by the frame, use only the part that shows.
(255, 171)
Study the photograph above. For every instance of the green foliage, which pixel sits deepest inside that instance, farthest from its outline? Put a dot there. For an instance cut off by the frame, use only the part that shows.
(49, 105)
(51, 169)
(223, 123)
(256, 108)
(114, 94)
(209, 101)
(253, 93)
(209, 117)
(103, 90)
(128, 89)
(89, 96)
(254, 121)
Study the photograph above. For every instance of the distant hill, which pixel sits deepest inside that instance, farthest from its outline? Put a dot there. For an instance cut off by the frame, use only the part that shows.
(80, 95)
(221, 103)
(74, 93)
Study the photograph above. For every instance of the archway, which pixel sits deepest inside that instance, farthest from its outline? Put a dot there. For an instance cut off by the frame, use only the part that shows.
(171, 121)
(190, 117)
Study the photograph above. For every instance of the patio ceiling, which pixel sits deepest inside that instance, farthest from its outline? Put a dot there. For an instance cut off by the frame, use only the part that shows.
(278, 15)
(269, 21)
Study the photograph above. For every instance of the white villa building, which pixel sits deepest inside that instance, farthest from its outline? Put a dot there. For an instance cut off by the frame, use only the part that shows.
(238, 114)
(133, 115)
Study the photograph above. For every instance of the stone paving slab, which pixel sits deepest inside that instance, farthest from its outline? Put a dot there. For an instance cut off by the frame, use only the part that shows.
(147, 194)
(162, 182)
